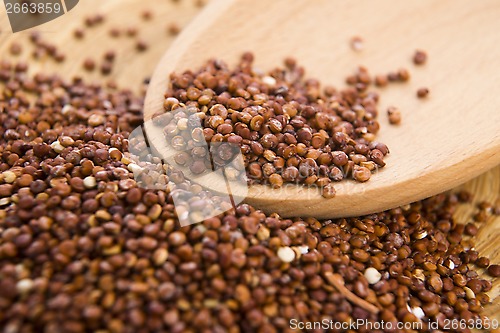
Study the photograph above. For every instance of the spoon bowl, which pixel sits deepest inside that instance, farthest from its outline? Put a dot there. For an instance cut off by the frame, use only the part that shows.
(443, 140)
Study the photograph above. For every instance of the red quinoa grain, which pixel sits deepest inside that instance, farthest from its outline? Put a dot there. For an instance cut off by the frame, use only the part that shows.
(420, 57)
(422, 92)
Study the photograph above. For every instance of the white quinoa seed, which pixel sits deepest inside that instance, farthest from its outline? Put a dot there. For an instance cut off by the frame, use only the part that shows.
(372, 275)
(23, 286)
(57, 146)
(9, 177)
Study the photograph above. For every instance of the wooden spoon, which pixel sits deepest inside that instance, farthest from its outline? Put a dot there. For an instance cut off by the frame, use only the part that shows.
(451, 136)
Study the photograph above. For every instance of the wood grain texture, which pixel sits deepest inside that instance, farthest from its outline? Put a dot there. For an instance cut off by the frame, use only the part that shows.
(452, 136)
(132, 67)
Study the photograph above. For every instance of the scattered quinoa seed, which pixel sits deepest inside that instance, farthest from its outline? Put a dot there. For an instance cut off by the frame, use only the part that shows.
(89, 64)
(110, 55)
(286, 254)
(394, 115)
(422, 92)
(9, 177)
(89, 182)
(403, 75)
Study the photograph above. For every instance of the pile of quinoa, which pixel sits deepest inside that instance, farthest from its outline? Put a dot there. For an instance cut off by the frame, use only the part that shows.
(83, 248)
